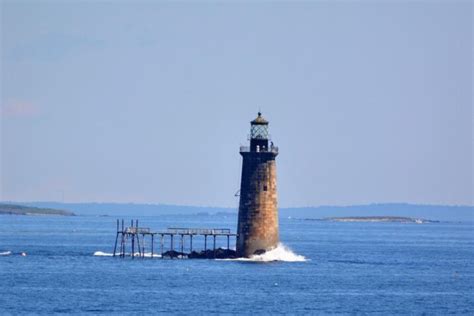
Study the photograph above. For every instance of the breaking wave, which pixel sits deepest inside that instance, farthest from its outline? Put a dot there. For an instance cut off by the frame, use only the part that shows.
(5, 253)
(280, 253)
(108, 254)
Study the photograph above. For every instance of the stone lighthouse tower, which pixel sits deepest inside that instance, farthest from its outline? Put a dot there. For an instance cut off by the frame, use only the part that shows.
(258, 215)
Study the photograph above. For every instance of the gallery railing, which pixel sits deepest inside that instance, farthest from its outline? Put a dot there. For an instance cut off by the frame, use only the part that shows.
(271, 149)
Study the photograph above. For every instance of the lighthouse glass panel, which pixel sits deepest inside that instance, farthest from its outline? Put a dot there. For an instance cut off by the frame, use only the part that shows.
(259, 132)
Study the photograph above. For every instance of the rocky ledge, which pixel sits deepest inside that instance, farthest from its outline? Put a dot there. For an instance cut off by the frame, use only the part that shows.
(219, 253)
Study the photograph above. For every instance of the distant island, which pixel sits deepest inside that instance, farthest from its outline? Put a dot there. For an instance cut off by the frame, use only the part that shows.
(390, 219)
(464, 213)
(12, 209)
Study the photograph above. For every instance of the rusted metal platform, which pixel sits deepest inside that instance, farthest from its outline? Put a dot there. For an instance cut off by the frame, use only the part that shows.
(137, 238)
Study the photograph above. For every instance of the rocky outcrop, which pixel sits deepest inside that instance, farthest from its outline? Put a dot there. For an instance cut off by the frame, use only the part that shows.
(219, 253)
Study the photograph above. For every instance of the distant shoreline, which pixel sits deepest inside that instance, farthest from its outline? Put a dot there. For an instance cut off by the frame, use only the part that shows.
(12, 209)
(376, 219)
(456, 213)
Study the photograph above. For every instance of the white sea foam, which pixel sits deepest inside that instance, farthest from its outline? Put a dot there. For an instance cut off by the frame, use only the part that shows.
(5, 253)
(280, 253)
(148, 255)
(107, 254)
(103, 254)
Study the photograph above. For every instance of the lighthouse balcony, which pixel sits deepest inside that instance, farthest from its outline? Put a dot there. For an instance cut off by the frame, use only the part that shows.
(263, 149)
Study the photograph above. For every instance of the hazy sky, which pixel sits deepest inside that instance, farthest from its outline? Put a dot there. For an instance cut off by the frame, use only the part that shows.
(149, 101)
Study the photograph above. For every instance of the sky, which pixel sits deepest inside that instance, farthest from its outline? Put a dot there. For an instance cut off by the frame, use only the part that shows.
(148, 102)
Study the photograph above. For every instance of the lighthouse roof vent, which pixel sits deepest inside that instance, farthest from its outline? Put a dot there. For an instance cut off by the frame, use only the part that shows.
(259, 120)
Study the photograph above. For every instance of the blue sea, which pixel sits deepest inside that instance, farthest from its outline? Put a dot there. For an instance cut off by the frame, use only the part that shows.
(326, 268)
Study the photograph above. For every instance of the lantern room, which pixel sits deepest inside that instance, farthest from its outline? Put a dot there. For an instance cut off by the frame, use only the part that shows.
(259, 134)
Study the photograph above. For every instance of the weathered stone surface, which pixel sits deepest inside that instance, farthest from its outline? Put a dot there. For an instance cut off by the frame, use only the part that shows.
(258, 215)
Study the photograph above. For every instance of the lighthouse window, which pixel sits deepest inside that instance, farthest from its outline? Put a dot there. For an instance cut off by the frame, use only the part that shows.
(264, 188)
(259, 132)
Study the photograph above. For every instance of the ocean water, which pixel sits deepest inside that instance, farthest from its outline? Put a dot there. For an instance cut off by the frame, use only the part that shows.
(323, 268)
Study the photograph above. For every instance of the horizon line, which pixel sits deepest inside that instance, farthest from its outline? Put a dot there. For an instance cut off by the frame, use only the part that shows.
(229, 207)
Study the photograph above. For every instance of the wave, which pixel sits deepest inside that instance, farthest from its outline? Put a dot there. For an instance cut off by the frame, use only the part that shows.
(5, 253)
(102, 254)
(108, 254)
(280, 253)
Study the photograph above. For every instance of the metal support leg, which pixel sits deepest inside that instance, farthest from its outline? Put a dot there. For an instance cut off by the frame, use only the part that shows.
(161, 241)
(152, 240)
(124, 244)
(116, 239)
(214, 246)
(133, 246)
(182, 245)
(133, 241)
(138, 245)
(172, 245)
(143, 246)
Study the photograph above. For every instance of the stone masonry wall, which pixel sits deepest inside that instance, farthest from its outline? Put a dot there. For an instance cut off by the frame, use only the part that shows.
(258, 213)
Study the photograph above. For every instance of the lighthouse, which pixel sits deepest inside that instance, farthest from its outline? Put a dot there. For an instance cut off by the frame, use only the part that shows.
(258, 214)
